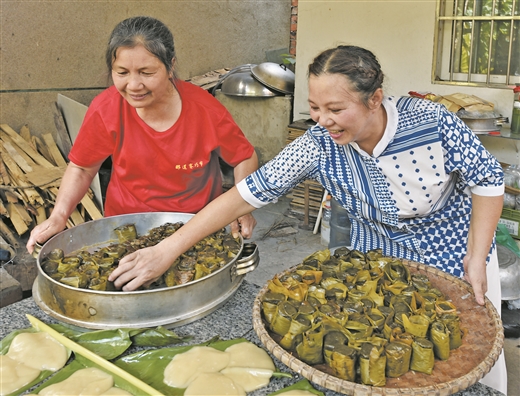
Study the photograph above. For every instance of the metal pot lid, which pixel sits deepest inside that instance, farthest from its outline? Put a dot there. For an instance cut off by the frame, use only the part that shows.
(478, 115)
(275, 76)
(243, 84)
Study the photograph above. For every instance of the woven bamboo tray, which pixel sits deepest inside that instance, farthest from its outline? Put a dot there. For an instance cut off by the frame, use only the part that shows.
(480, 349)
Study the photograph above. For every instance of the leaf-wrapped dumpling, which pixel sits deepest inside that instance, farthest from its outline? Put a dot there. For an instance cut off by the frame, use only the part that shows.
(440, 337)
(398, 356)
(422, 356)
(372, 364)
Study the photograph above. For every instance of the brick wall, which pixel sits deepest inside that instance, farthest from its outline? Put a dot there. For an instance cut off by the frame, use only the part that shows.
(294, 26)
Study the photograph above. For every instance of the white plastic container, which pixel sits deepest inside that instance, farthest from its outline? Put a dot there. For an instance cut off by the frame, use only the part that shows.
(325, 224)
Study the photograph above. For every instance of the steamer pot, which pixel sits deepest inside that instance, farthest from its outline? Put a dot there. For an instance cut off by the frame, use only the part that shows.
(482, 122)
(169, 307)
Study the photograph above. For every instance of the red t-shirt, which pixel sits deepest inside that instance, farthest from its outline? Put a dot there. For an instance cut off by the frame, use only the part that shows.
(172, 171)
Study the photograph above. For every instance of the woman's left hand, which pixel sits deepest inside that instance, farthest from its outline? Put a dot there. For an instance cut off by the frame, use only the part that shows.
(140, 268)
(243, 225)
(475, 274)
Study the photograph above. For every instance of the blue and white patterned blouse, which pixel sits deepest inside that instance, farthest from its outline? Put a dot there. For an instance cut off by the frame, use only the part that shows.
(411, 197)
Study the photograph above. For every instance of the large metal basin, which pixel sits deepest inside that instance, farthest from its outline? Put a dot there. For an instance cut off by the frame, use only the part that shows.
(169, 307)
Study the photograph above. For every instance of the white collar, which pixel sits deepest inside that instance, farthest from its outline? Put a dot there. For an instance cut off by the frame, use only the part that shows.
(390, 129)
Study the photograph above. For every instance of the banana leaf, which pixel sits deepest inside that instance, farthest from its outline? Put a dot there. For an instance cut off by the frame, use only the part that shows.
(452, 322)
(417, 325)
(302, 386)
(307, 310)
(149, 365)
(110, 344)
(397, 271)
(341, 358)
(282, 319)
(422, 356)
(126, 232)
(292, 288)
(440, 337)
(318, 293)
(320, 256)
(310, 277)
(398, 356)
(311, 346)
(270, 303)
(445, 307)
(298, 326)
(5, 343)
(372, 364)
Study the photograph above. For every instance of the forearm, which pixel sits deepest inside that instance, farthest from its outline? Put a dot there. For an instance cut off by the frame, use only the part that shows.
(245, 168)
(214, 216)
(73, 187)
(485, 214)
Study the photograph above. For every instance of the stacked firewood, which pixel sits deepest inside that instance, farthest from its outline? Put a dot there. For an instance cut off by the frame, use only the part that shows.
(31, 169)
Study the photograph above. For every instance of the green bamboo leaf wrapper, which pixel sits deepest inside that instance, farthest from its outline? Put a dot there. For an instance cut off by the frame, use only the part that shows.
(440, 337)
(452, 322)
(372, 364)
(423, 358)
(310, 349)
(398, 356)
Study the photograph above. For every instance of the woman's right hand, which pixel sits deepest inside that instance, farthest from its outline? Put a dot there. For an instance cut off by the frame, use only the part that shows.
(42, 232)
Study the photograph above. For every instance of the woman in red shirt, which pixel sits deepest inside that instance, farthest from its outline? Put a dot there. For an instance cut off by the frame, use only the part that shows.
(164, 135)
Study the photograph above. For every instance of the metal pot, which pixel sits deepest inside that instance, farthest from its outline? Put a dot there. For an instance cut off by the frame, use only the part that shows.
(170, 306)
(275, 76)
(509, 268)
(482, 122)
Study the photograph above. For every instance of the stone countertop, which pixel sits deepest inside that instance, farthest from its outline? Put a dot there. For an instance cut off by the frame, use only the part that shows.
(232, 320)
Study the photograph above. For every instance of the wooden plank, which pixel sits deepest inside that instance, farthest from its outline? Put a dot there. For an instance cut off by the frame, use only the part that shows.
(8, 234)
(20, 161)
(46, 177)
(62, 138)
(3, 210)
(4, 138)
(91, 208)
(42, 148)
(76, 217)
(11, 165)
(18, 222)
(26, 134)
(20, 141)
(23, 213)
(53, 150)
(41, 214)
(4, 176)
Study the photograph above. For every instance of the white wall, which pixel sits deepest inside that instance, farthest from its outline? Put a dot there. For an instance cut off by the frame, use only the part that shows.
(399, 33)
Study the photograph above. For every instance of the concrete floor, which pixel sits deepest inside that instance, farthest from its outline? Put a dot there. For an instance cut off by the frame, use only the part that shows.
(283, 243)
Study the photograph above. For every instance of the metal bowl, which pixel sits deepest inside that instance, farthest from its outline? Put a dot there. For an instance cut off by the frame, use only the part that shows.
(275, 76)
(243, 84)
(509, 268)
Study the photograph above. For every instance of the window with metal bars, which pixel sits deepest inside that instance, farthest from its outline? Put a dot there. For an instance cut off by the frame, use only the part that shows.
(477, 43)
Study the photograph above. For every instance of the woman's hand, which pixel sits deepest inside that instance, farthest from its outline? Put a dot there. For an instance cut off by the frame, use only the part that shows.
(140, 268)
(42, 232)
(243, 225)
(475, 274)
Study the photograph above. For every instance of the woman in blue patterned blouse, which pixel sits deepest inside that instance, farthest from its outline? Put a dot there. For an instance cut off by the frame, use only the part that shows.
(414, 179)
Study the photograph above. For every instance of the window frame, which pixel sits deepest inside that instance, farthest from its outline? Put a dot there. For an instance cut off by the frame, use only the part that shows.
(446, 35)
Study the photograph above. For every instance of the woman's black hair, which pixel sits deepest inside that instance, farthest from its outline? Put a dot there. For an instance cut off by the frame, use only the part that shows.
(357, 64)
(149, 32)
